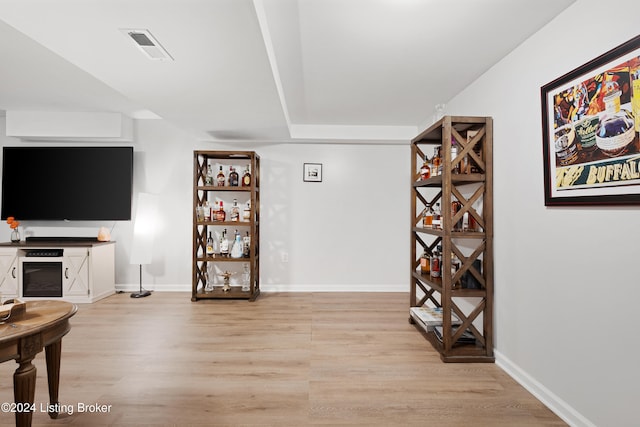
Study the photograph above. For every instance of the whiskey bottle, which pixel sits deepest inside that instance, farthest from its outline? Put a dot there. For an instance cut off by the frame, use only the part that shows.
(436, 162)
(427, 219)
(246, 178)
(246, 214)
(425, 170)
(436, 262)
(437, 217)
(473, 224)
(206, 211)
(455, 207)
(214, 210)
(209, 245)
(224, 243)
(220, 178)
(208, 179)
(221, 215)
(233, 177)
(425, 263)
(246, 246)
(454, 154)
(455, 266)
(235, 211)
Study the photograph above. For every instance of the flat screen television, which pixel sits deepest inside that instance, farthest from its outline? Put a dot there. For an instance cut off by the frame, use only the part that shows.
(67, 183)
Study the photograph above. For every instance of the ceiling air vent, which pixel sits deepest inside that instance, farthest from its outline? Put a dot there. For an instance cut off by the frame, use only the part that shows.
(148, 44)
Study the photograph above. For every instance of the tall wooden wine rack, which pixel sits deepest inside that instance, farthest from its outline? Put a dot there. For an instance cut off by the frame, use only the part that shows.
(464, 292)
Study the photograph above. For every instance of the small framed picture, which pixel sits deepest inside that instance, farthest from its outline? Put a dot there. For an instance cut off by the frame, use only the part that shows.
(312, 172)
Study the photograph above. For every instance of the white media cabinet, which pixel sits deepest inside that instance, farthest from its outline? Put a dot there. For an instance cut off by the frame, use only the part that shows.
(86, 268)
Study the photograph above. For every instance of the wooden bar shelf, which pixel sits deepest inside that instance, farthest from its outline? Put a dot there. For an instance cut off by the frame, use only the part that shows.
(223, 188)
(215, 275)
(218, 293)
(454, 234)
(463, 188)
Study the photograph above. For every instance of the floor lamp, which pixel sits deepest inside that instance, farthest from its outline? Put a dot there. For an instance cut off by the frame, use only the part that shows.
(143, 232)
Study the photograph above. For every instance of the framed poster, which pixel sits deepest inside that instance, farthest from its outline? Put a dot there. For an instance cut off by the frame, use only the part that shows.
(590, 126)
(312, 172)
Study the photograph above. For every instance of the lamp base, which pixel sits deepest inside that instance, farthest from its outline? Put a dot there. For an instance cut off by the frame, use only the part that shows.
(140, 294)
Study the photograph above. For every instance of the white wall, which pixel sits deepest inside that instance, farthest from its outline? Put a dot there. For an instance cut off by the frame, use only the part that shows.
(566, 285)
(348, 232)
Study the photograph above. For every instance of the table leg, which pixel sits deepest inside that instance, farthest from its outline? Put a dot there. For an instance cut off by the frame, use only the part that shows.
(52, 354)
(24, 390)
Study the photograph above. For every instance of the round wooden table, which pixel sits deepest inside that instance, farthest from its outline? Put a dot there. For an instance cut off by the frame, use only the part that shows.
(42, 326)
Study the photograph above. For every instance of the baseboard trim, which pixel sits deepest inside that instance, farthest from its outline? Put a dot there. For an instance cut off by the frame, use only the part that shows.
(543, 394)
(273, 288)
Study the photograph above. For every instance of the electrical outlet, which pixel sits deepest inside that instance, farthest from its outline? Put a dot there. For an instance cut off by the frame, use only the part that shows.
(284, 257)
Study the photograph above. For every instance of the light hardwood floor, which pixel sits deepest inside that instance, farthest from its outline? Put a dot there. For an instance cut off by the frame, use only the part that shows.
(287, 359)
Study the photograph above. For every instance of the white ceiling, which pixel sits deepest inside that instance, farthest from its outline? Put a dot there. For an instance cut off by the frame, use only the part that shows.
(268, 70)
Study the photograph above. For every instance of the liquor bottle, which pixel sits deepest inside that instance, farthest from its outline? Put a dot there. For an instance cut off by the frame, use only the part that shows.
(436, 262)
(425, 263)
(246, 178)
(210, 245)
(224, 243)
(216, 245)
(221, 215)
(437, 217)
(436, 162)
(246, 277)
(460, 223)
(455, 266)
(233, 177)
(455, 207)
(465, 164)
(199, 213)
(235, 211)
(237, 249)
(208, 287)
(454, 154)
(208, 179)
(246, 214)
(207, 211)
(427, 219)
(473, 224)
(215, 207)
(246, 248)
(220, 178)
(425, 170)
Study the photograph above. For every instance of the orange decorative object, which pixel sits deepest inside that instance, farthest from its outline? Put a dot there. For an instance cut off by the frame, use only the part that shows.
(104, 235)
(14, 224)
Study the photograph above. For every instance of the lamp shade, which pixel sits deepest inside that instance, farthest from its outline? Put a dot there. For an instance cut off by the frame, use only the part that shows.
(144, 228)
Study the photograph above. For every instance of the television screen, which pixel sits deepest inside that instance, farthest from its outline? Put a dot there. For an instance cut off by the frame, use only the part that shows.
(67, 183)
